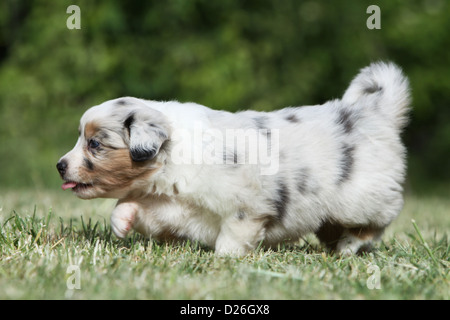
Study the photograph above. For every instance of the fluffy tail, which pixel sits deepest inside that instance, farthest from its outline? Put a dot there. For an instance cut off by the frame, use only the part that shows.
(382, 85)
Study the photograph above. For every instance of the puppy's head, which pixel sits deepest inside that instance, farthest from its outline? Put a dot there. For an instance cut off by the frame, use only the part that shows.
(117, 150)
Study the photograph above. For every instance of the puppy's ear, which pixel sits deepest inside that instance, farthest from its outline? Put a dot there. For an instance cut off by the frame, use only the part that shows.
(147, 132)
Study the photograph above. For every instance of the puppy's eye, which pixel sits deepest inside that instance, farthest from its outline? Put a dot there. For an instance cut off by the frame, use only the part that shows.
(93, 144)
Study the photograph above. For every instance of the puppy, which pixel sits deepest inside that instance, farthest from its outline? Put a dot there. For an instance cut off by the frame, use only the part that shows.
(233, 181)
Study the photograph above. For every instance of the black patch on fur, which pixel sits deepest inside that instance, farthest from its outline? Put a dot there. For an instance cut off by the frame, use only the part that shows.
(240, 215)
(230, 158)
(129, 121)
(88, 164)
(261, 122)
(121, 102)
(281, 200)
(102, 135)
(139, 154)
(346, 119)
(347, 162)
(159, 131)
(268, 134)
(302, 180)
(372, 89)
(292, 118)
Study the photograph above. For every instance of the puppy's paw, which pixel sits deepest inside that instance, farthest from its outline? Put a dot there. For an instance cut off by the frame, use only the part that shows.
(228, 246)
(122, 219)
(358, 240)
(351, 245)
(230, 250)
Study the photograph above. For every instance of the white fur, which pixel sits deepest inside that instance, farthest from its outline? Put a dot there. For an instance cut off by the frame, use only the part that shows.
(341, 163)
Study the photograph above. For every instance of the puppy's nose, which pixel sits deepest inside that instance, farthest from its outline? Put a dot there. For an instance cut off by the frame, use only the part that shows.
(62, 166)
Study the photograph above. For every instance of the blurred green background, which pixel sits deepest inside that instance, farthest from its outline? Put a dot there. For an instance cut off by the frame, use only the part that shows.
(233, 55)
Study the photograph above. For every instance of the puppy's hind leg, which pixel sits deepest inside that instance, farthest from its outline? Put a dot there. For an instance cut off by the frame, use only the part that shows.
(239, 235)
(357, 240)
(348, 241)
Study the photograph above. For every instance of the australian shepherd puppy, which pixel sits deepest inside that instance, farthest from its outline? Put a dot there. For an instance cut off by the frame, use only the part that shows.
(235, 180)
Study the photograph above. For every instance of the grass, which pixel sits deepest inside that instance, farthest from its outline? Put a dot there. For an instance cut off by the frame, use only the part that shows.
(43, 233)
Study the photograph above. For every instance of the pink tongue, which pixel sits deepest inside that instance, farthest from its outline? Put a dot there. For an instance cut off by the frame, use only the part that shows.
(68, 185)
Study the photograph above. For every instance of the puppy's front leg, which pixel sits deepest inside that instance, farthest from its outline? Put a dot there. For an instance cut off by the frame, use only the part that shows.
(122, 218)
(239, 235)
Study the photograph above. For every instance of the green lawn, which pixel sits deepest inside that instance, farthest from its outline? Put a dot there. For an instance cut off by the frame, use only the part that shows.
(43, 233)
